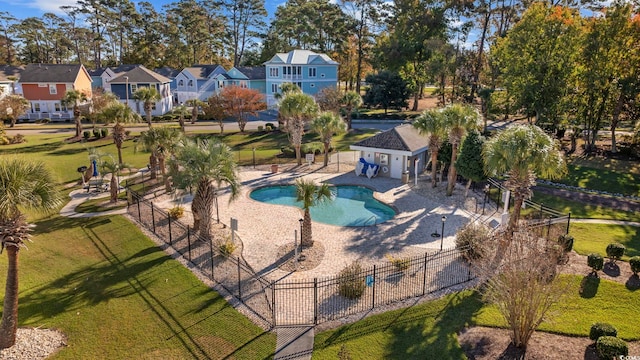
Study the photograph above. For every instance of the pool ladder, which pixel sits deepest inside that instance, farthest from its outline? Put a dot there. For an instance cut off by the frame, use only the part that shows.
(375, 221)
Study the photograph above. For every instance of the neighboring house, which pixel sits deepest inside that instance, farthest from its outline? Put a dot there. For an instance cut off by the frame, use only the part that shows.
(9, 76)
(44, 85)
(312, 72)
(251, 77)
(100, 76)
(199, 82)
(395, 150)
(170, 73)
(114, 72)
(124, 85)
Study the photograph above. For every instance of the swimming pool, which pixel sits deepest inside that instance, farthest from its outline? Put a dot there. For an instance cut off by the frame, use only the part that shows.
(352, 206)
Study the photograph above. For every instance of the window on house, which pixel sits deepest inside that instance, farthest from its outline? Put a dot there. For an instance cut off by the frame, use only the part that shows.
(273, 72)
(42, 85)
(312, 72)
(53, 89)
(36, 107)
(297, 70)
(190, 82)
(181, 83)
(153, 106)
(57, 106)
(299, 85)
(312, 85)
(134, 88)
(274, 88)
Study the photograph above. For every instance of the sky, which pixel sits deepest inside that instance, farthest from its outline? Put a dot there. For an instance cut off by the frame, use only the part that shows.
(27, 8)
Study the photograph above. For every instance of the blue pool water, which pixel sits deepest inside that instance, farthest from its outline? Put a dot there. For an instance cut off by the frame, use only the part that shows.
(352, 205)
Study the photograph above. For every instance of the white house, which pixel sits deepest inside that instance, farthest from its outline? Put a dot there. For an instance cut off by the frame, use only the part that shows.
(9, 76)
(199, 82)
(128, 82)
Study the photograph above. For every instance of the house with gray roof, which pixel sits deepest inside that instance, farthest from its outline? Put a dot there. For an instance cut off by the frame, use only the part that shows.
(251, 77)
(199, 82)
(398, 150)
(9, 76)
(125, 84)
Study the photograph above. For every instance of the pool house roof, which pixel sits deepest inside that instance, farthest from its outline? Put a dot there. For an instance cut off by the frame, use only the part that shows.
(402, 139)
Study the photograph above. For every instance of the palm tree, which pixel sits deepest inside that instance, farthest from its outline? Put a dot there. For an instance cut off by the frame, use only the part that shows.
(521, 153)
(310, 195)
(149, 96)
(110, 166)
(205, 165)
(433, 124)
(195, 105)
(182, 111)
(459, 119)
(286, 89)
(23, 185)
(297, 109)
(121, 114)
(326, 125)
(160, 142)
(75, 98)
(350, 100)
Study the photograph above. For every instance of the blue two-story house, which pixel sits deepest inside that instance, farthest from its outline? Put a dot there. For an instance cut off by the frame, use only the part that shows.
(312, 72)
(199, 82)
(250, 77)
(124, 85)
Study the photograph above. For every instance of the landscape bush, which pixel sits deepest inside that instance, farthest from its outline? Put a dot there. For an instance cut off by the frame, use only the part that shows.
(595, 262)
(600, 329)
(260, 128)
(351, 282)
(97, 133)
(566, 241)
(176, 212)
(470, 240)
(615, 251)
(315, 148)
(288, 151)
(634, 263)
(269, 126)
(226, 247)
(104, 132)
(86, 134)
(401, 264)
(18, 139)
(609, 347)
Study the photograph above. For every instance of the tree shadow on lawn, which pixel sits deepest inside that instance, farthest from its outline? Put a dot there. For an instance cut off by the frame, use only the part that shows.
(589, 285)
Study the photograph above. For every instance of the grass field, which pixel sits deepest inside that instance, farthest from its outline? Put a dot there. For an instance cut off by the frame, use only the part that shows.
(594, 238)
(116, 295)
(424, 330)
(596, 176)
(582, 210)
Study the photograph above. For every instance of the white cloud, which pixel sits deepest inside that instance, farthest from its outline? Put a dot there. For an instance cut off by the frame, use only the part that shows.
(50, 6)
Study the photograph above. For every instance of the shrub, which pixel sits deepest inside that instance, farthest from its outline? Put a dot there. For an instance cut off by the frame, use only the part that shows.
(288, 151)
(315, 148)
(602, 329)
(344, 354)
(615, 251)
(45, 121)
(86, 134)
(595, 261)
(227, 248)
(260, 128)
(269, 126)
(470, 240)
(127, 133)
(18, 139)
(97, 133)
(351, 282)
(104, 132)
(4, 140)
(609, 347)
(176, 212)
(401, 264)
(634, 262)
(566, 241)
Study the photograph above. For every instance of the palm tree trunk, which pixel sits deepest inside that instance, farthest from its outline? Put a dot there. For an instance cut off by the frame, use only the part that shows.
(307, 237)
(348, 116)
(434, 167)
(452, 170)
(9, 324)
(515, 216)
(153, 163)
(148, 111)
(113, 188)
(326, 154)
(298, 155)
(202, 207)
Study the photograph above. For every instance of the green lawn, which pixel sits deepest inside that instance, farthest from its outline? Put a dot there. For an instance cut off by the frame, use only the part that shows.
(118, 296)
(605, 179)
(582, 210)
(594, 238)
(422, 331)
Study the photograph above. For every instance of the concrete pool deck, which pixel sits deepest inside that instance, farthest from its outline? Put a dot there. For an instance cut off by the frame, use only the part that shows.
(264, 228)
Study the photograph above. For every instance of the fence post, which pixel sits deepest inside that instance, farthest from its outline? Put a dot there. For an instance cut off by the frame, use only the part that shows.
(189, 242)
(568, 222)
(373, 302)
(541, 206)
(139, 216)
(424, 275)
(315, 301)
(499, 197)
(273, 303)
(548, 228)
(170, 235)
(239, 286)
(211, 255)
(153, 218)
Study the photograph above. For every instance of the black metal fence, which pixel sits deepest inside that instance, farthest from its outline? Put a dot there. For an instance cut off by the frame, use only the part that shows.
(307, 301)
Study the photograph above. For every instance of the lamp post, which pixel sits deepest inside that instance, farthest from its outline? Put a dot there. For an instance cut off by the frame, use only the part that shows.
(126, 89)
(444, 219)
(296, 259)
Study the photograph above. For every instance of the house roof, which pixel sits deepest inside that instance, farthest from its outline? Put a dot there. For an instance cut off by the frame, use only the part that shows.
(121, 69)
(253, 72)
(402, 138)
(301, 57)
(140, 74)
(51, 73)
(96, 72)
(7, 71)
(202, 72)
(167, 72)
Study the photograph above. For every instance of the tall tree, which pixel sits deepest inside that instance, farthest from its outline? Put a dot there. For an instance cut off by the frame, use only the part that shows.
(99, 101)
(120, 114)
(205, 165)
(6, 27)
(459, 120)
(241, 102)
(297, 109)
(350, 101)
(245, 25)
(148, 96)
(75, 98)
(13, 106)
(310, 195)
(24, 185)
(470, 164)
(433, 124)
(160, 142)
(216, 110)
(386, 89)
(522, 153)
(327, 124)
